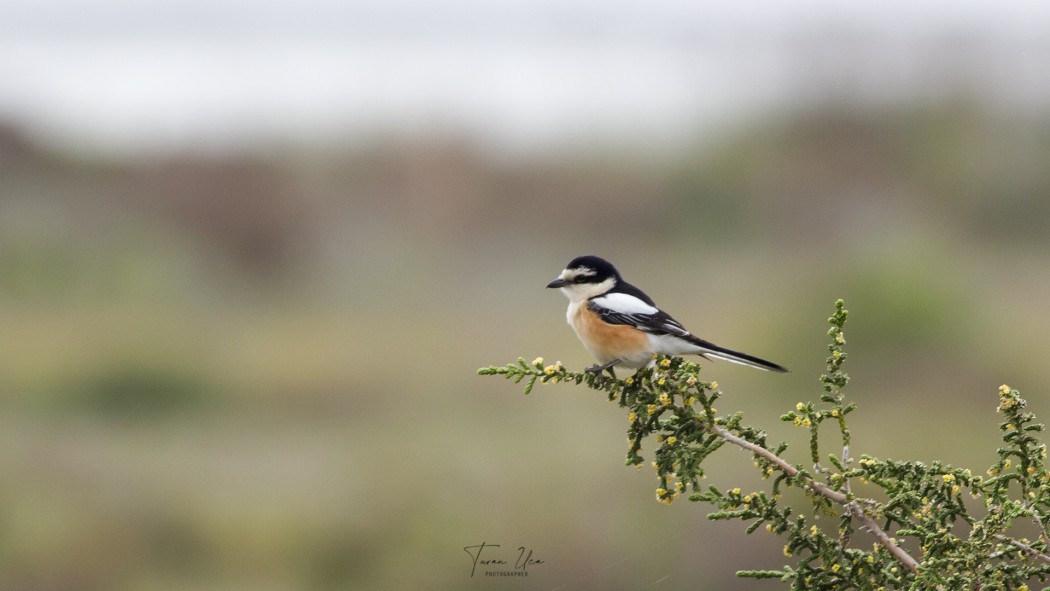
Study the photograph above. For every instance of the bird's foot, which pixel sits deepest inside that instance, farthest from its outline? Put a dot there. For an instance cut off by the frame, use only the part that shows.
(598, 369)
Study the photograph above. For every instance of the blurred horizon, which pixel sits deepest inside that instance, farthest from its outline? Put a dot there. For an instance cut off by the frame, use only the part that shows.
(251, 258)
(520, 76)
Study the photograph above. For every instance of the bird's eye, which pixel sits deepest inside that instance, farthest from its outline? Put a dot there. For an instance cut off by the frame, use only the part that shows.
(579, 279)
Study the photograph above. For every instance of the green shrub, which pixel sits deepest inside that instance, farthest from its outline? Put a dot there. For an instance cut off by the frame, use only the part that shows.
(927, 535)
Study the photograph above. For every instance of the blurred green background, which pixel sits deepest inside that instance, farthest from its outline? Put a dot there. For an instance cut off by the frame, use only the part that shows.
(252, 365)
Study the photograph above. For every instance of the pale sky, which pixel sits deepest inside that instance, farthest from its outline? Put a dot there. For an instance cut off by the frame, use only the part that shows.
(167, 74)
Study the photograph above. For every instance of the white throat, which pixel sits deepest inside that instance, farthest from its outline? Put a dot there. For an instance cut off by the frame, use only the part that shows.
(579, 292)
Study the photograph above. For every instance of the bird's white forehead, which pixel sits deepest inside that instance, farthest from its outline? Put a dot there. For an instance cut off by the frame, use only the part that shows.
(578, 272)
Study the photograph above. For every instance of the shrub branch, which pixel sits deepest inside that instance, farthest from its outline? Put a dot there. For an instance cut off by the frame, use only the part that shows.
(958, 547)
(852, 506)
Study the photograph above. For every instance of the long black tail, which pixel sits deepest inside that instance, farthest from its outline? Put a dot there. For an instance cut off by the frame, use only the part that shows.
(713, 350)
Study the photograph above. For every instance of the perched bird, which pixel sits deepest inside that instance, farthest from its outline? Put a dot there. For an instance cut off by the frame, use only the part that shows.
(621, 326)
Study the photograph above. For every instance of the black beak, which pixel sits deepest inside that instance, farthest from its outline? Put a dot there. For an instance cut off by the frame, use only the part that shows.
(559, 282)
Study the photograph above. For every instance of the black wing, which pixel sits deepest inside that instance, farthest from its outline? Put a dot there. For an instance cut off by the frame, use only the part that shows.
(634, 311)
(658, 322)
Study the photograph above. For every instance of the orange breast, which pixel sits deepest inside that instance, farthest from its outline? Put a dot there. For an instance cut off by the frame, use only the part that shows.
(609, 341)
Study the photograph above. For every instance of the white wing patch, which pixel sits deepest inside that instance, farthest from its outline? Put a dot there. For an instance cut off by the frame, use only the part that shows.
(623, 303)
(672, 326)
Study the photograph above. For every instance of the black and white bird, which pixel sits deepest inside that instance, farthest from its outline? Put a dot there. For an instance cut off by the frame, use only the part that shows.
(621, 326)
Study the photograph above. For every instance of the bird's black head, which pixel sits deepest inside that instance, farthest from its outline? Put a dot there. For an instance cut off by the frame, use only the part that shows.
(587, 270)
